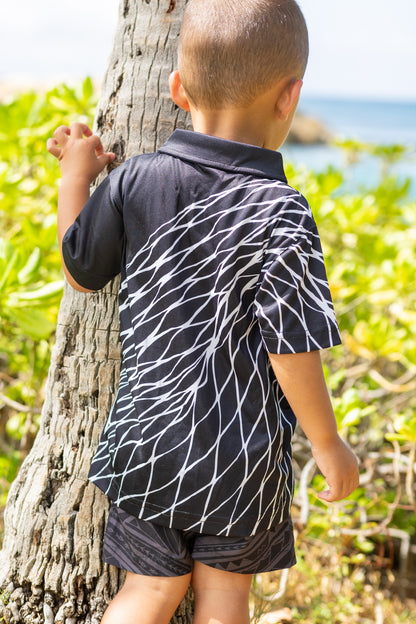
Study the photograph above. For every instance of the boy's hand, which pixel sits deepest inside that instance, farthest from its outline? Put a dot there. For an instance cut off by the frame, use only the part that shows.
(80, 153)
(339, 466)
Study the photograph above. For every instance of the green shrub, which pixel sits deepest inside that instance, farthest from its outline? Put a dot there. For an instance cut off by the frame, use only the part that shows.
(30, 269)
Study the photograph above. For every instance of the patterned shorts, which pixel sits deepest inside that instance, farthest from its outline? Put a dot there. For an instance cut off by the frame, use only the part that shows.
(153, 550)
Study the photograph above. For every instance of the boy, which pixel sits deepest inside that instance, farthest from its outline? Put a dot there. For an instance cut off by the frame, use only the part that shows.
(224, 306)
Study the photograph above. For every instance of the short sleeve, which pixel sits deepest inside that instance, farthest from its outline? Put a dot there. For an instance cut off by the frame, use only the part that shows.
(293, 302)
(92, 247)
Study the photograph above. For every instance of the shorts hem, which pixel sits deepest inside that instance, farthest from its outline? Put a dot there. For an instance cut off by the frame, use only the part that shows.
(142, 571)
(251, 569)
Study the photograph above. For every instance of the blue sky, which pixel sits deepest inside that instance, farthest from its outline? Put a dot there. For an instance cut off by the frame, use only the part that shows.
(359, 48)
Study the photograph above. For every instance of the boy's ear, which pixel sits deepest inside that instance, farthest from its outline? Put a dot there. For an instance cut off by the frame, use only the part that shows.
(288, 98)
(177, 91)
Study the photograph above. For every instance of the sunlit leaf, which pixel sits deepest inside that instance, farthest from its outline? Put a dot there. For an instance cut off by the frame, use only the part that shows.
(37, 296)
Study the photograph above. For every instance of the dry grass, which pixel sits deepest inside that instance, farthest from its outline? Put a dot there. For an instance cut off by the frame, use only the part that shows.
(325, 588)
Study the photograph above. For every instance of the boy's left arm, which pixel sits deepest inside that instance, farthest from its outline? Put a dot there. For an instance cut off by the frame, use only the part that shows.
(301, 377)
(81, 158)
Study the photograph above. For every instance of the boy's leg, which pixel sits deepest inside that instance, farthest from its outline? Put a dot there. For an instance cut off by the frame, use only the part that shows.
(224, 566)
(220, 597)
(147, 599)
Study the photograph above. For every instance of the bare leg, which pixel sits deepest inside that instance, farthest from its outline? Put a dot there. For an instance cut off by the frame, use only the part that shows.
(147, 599)
(220, 597)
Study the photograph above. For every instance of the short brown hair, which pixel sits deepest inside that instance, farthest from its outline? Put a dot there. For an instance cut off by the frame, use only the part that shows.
(230, 51)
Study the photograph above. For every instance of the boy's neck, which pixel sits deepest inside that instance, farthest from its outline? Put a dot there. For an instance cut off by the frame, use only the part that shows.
(237, 126)
(226, 125)
(256, 124)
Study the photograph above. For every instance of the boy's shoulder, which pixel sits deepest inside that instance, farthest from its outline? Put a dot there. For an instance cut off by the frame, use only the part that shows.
(243, 168)
(132, 163)
(132, 172)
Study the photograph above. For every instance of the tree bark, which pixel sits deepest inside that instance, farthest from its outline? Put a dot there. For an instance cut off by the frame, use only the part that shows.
(50, 566)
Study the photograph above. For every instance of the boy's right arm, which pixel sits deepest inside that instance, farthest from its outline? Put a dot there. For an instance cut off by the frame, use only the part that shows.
(301, 377)
(81, 158)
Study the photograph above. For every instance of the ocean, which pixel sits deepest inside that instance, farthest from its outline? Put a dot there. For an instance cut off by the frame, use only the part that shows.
(376, 122)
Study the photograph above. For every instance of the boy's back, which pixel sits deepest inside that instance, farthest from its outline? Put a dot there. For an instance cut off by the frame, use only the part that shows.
(199, 436)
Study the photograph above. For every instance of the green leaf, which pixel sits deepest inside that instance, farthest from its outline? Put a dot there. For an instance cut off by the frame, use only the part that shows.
(9, 271)
(352, 417)
(38, 296)
(27, 274)
(33, 323)
(87, 88)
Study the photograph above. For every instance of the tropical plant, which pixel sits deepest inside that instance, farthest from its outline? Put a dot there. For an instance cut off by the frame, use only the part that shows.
(30, 270)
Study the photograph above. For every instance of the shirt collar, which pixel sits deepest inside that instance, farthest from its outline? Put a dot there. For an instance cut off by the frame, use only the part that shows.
(224, 154)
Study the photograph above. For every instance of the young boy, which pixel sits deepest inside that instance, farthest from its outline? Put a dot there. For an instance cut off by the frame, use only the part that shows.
(224, 306)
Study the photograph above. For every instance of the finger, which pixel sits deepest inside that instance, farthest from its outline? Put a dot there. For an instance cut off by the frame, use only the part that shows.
(95, 143)
(333, 492)
(53, 147)
(106, 158)
(79, 129)
(99, 149)
(61, 134)
(327, 496)
(337, 493)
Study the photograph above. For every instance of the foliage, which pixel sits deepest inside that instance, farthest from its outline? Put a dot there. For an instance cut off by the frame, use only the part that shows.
(369, 241)
(30, 269)
(369, 244)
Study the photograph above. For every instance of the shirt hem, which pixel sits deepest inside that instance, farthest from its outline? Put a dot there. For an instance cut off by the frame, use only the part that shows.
(186, 521)
(301, 343)
(86, 280)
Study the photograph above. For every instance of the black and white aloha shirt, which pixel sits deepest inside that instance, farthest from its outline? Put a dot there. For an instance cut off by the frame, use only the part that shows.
(220, 263)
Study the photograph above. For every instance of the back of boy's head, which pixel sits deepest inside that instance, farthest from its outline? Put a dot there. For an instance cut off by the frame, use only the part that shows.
(231, 51)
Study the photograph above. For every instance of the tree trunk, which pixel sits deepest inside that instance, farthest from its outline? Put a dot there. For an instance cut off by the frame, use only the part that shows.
(50, 565)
